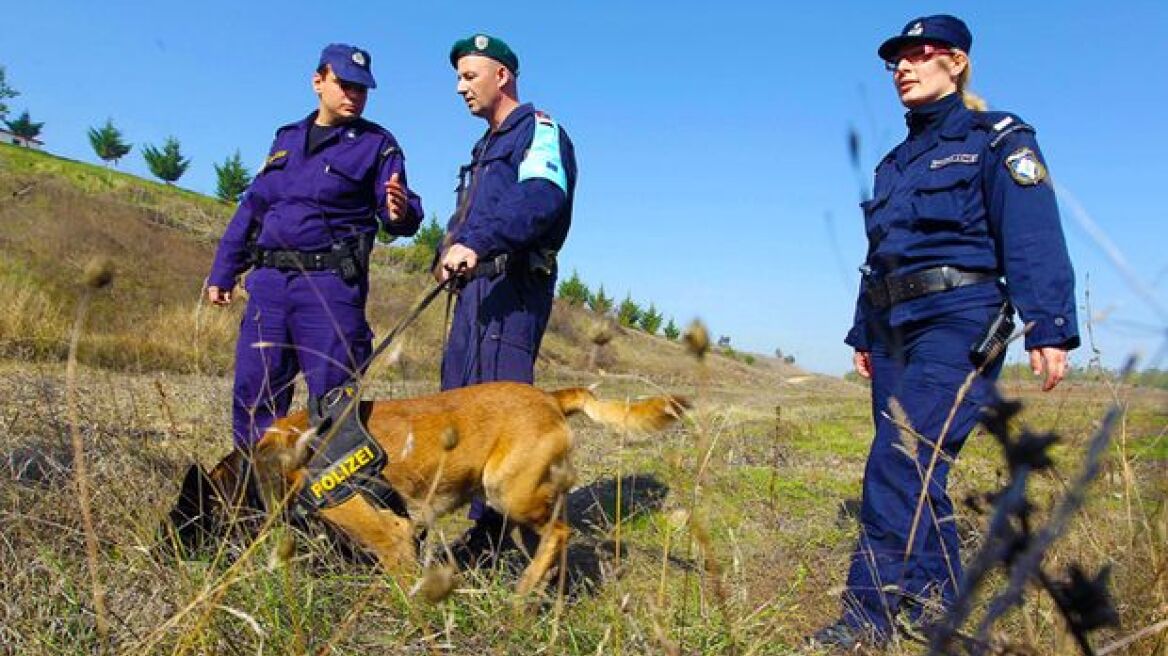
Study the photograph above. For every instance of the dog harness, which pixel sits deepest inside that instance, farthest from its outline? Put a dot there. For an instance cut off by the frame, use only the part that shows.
(345, 460)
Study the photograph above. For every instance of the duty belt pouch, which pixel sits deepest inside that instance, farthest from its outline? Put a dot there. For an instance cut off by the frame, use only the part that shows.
(992, 343)
(542, 262)
(347, 262)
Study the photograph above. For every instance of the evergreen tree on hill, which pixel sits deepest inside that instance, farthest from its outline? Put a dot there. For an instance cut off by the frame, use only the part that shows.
(573, 290)
(107, 142)
(599, 302)
(6, 92)
(24, 127)
(233, 179)
(167, 164)
(430, 235)
(629, 313)
(650, 320)
(671, 330)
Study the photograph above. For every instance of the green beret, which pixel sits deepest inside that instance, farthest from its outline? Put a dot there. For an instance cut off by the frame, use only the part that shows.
(487, 46)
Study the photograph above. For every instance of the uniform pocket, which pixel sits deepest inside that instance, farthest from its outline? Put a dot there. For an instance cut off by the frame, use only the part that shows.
(874, 227)
(345, 180)
(946, 198)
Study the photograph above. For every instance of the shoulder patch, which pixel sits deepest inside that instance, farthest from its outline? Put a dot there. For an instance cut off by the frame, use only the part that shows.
(274, 158)
(542, 159)
(1025, 167)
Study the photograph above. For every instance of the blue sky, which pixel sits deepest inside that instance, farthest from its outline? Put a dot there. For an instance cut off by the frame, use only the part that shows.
(711, 137)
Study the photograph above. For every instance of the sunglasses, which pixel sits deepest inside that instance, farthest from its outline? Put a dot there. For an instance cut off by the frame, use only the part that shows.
(916, 55)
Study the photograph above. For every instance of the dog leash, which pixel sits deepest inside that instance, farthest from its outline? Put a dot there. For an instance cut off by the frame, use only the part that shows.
(445, 285)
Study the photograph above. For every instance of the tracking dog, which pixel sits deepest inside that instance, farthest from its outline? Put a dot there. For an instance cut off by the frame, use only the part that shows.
(509, 442)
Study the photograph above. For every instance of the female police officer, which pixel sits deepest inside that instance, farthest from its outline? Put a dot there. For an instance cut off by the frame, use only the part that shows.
(963, 202)
(329, 182)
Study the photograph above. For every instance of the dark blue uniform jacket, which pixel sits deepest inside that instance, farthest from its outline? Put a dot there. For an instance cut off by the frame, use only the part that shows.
(969, 189)
(307, 201)
(507, 204)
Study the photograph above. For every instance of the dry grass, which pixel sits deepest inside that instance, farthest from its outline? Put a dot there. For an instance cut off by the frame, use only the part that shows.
(724, 537)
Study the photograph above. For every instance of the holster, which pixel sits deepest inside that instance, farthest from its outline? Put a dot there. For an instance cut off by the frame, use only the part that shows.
(992, 343)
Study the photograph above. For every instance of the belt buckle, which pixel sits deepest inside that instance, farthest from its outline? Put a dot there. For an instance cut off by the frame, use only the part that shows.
(951, 276)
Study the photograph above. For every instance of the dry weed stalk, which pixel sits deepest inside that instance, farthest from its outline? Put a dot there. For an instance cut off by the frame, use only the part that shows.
(99, 273)
(1083, 600)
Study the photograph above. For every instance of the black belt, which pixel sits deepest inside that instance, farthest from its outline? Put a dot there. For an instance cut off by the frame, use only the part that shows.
(890, 290)
(297, 260)
(541, 263)
(492, 267)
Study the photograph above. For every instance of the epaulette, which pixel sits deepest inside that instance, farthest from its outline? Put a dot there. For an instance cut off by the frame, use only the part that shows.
(1000, 125)
(369, 126)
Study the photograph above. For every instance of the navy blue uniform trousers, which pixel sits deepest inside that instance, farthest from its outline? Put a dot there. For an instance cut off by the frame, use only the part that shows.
(922, 366)
(311, 322)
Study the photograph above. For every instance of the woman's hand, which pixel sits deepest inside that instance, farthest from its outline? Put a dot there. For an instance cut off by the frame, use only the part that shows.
(1050, 360)
(862, 361)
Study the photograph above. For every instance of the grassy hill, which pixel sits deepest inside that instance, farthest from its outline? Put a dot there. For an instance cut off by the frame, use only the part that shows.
(58, 213)
(728, 535)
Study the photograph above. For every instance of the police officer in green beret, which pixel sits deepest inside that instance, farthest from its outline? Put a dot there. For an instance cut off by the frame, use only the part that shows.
(514, 209)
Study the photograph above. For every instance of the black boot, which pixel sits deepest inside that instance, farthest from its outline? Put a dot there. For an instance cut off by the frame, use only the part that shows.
(842, 637)
(482, 544)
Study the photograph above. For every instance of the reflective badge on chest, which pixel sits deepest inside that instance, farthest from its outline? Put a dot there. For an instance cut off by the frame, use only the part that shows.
(1025, 168)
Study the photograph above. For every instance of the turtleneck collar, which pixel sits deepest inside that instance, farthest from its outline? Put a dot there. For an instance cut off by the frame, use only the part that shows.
(929, 117)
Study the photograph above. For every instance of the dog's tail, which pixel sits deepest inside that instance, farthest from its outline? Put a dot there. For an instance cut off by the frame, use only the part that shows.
(649, 414)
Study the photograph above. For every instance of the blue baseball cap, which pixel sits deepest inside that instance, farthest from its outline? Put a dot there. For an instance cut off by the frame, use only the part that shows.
(349, 63)
(941, 28)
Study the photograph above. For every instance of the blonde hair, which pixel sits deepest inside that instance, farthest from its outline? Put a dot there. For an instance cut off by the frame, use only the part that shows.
(972, 100)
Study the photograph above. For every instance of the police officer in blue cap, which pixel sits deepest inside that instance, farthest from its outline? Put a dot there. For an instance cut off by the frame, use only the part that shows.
(331, 181)
(514, 209)
(962, 229)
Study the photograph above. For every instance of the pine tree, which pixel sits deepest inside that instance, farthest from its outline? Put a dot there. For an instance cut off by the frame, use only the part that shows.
(430, 235)
(573, 290)
(6, 92)
(671, 330)
(24, 127)
(107, 142)
(233, 179)
(599, 302)
(629, 313)
(167, 164)
(650, 320)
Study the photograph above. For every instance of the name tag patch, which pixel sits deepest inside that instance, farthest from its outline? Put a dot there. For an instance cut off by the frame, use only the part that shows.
(955, 158)
(341, 472)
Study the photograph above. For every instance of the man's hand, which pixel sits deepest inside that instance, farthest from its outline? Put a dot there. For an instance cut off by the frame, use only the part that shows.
(218, 296)
(1053, 361)
(862, 361)
(458, 259)
(397, 201)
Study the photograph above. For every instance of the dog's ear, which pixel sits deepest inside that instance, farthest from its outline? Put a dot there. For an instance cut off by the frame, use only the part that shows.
(192, 523)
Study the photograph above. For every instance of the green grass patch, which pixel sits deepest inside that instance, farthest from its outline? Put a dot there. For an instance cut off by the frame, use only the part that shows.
(834, 437)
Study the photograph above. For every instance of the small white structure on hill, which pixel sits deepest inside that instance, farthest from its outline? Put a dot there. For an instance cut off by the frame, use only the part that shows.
(9, 138)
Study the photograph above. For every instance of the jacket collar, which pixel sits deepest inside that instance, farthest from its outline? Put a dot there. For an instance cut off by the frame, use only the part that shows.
(518, 114)
(948, 117)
